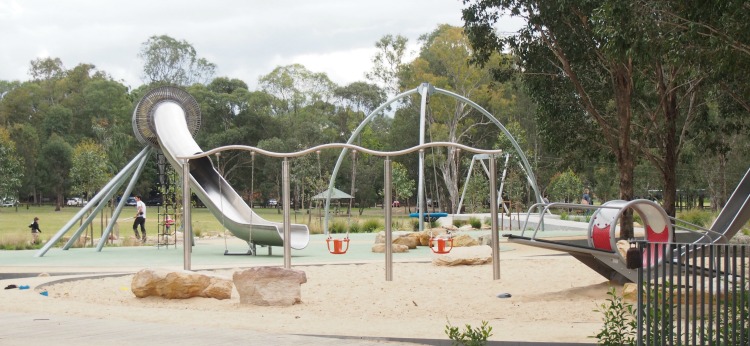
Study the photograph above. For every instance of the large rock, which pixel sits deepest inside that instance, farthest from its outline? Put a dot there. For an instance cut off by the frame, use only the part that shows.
(464, 240)
(179, 285)
(473, 255)
(410, 240)
(424, 237)
(269, 286)
(396, 248)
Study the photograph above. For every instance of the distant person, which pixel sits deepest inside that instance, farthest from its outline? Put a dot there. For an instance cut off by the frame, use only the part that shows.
(140, 218)
(35, 230)
(586, 200)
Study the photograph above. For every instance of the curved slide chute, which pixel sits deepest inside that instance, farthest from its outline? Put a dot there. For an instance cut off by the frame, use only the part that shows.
(169, 122)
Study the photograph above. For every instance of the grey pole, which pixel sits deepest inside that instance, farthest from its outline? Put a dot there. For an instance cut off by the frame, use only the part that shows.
(287, 218)
(494, 239)
(187, 229)
(424, 89)
(387, 206)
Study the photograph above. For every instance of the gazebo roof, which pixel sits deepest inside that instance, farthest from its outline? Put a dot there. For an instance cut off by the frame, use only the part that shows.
(336, 194)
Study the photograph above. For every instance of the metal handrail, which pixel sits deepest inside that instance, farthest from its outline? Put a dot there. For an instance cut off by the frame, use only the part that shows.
(339, 146)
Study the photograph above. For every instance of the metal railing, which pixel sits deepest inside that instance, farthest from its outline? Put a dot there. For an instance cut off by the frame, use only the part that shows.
(699, 298)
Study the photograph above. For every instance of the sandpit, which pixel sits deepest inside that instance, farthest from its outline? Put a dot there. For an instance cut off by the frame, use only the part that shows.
(552, 298)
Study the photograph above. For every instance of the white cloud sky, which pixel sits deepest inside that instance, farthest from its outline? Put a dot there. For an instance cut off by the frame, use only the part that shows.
(245, 39)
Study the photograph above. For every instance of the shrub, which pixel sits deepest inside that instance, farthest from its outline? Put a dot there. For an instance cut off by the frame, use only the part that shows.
(475, 223)
(459, 223)
(372, 226)
(355, 227)
(620, 324)
(470, 336)
(337, 227)
(698, 217)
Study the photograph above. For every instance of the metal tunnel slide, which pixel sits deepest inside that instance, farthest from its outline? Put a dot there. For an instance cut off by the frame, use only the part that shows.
(168, 119)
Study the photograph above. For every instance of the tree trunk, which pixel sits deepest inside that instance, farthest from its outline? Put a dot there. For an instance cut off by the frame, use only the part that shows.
(625, 159)
(669, 171)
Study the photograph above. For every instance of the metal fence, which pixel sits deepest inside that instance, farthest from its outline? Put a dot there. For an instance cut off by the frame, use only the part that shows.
(694, 294)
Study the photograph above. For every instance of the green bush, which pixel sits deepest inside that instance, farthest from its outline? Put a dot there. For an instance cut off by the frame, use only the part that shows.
(620, 324)
(337, 227)
(470, 336)
(355, 227)
(459, 223)
(372, 226)
(475, 222)
(698, 217)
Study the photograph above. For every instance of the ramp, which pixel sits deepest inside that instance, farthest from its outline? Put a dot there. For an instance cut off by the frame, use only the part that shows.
(169, 124)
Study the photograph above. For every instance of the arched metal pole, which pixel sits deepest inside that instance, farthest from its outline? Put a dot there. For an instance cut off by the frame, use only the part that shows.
(354, 135)
(524, 161)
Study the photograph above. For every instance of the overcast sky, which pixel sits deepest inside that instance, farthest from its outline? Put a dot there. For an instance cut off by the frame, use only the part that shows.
(245, 39)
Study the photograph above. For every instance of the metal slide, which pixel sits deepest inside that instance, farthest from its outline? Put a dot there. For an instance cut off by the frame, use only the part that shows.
(170, 127)
(736, 211)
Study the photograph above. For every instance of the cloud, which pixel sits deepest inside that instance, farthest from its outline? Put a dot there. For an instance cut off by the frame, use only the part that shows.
(245, 39)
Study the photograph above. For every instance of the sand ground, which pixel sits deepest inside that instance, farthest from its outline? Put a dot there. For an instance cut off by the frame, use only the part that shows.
(553, 298)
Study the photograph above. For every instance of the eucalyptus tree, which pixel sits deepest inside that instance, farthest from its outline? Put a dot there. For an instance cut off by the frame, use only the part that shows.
(172, 61)
(580, 62)
(297, 87)
(635, 84)
(107, 105)
(10, 166)
(444, 62)
(388, 63)
(54, 168)
(89, 169)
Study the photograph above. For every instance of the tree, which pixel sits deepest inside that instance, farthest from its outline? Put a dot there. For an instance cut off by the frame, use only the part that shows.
(444, 62)
(403, 186)
(54, 169)
(296, 87)
(579, 71)
(89, 168)
(10, 167)
(171, 61)
(388, 63)
(565, 187)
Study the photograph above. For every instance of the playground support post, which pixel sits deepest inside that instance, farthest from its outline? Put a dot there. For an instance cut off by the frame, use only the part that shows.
(287, 218)
(387, 205)
(493, 215)
(186, 223)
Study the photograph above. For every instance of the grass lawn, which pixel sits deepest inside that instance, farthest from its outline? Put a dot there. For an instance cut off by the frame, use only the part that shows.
(15, 233)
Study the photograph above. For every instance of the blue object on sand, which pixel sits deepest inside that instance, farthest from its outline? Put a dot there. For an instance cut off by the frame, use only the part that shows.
(44, 293)
(23, 287)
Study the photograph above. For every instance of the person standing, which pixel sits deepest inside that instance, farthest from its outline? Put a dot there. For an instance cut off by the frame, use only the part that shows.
(35, 230)
(586, 200)
(140, 218)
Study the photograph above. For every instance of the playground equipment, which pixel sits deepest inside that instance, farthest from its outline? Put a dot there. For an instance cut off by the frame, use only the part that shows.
(600, 250)
(166, 119)
(426, 90)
